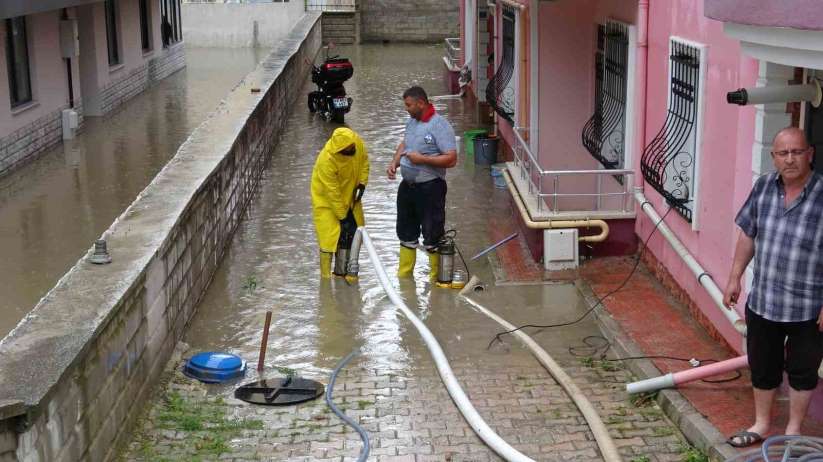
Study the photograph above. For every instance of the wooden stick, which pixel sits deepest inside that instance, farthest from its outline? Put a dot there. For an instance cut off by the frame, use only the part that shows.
(264, 342)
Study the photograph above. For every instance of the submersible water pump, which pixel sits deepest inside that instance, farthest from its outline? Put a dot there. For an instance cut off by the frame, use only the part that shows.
(445, 255)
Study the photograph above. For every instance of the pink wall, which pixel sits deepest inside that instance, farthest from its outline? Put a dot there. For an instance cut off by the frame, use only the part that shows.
(568, 34)
(48, 73)
(96, 72)
(725, 166)
(777, 13)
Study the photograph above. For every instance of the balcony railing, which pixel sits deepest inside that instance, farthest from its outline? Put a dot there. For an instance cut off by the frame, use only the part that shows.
(331, 5)
(570, 193)
(452, 53)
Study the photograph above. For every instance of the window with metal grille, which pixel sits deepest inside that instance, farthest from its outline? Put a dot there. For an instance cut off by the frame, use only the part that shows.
(17, 61)
(670, 161)
(604, 135)
(145, 26)
(500, 93)
(112, 38)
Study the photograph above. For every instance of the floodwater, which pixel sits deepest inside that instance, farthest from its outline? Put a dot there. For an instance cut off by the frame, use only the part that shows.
(53, 209)
(272, 263)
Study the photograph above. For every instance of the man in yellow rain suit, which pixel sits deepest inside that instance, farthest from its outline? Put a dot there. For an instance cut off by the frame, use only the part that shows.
(340, 174)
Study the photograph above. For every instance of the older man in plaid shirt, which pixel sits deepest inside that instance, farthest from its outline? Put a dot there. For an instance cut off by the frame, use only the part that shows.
(782, 224)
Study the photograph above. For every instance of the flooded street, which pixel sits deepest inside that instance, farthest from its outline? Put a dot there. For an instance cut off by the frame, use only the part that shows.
(273, 263)
(52, 209)
(392, 388)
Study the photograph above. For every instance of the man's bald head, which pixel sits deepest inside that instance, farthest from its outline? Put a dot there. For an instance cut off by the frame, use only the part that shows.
(791, 133)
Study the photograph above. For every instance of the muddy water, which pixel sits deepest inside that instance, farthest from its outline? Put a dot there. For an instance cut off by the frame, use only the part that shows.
(52, 210)
(273, 262)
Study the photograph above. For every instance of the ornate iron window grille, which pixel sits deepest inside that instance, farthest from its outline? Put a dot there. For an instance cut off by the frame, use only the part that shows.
(668, 162)
(604, 133)
(500, 91)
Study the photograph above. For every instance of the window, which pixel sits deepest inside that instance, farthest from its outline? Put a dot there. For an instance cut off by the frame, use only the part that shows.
(171, 27)
(604, 135)
(145, 26)
(17, 58)
(112, 32)
(501, 90)
(670, 161)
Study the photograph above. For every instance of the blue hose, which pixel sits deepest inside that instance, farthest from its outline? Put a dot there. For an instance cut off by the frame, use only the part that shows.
(364, 453)
(783, 448)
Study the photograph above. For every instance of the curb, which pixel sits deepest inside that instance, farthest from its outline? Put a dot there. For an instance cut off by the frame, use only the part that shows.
(695, 428)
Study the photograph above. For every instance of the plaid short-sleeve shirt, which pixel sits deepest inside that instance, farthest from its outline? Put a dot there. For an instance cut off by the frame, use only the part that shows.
(788, 249)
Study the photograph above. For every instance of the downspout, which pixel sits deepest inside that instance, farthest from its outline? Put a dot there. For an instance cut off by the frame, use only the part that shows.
(642, 81)
(703, 277)
(555, 224)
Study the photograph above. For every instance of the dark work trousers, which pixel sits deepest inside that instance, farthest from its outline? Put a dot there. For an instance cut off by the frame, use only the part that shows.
(421, 207)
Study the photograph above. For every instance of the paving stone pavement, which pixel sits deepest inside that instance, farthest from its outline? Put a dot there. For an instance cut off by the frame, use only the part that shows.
(410, 417)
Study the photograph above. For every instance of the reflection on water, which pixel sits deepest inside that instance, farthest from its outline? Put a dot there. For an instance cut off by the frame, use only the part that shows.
(316, 323)
(53, 209)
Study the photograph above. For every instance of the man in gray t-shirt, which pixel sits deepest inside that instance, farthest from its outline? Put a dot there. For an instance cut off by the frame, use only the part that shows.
(427, 150)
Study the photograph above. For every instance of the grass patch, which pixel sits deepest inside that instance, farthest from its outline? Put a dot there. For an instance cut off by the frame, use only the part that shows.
(662, 431)
(178, 414)
(643, 399)
(363, 404)
(641, 459)
(693, 454)
(250, 283)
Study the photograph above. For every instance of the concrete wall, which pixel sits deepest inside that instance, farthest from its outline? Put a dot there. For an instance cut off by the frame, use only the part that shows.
(75, 373)
(341, 27)
(237, 25)
(420, 21)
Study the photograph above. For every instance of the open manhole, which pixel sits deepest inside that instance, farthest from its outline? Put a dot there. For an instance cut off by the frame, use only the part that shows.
(280, 392)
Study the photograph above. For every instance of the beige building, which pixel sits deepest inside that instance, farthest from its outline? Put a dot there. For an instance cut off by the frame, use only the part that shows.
(64, 60)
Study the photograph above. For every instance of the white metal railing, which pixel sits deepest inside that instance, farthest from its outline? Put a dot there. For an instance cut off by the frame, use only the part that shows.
(617, 191)
(452, 56)
(331, 5)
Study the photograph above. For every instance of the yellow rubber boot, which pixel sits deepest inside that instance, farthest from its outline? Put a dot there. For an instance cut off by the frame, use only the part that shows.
(434, 266)
(407, 259)
(325, 265)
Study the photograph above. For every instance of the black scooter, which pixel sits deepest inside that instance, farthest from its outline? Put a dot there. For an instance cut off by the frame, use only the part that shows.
(330, 100)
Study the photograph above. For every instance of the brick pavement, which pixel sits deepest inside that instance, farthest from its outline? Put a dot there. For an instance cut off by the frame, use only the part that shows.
(410, 417)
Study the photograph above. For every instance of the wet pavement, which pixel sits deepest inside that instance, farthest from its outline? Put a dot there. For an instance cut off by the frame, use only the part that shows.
(392, 386)
(52, 209)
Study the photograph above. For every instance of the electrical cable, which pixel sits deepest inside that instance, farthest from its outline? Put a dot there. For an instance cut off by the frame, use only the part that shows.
(600, 300)
(364, 453)
(600, 351)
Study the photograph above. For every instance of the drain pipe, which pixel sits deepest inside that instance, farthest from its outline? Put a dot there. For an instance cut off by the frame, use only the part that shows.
(459, 397)
(601, 434)
(702, 275)
(673, 379)
(554, 224)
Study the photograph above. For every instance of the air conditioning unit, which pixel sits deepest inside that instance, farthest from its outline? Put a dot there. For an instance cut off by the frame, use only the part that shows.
(560, 251)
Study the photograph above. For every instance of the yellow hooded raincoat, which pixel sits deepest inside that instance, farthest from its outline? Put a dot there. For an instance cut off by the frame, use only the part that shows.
(333, 181)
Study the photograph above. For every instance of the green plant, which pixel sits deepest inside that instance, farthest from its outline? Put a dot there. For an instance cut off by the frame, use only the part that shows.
(250, 283)
(693, 454)
(641, 459)
(643, 399)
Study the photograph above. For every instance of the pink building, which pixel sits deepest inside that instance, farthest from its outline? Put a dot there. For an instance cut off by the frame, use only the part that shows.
(67, 59)
(604, 105)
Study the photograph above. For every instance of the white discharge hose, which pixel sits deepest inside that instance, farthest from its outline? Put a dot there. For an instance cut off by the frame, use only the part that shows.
(601, 434)
(465, 406)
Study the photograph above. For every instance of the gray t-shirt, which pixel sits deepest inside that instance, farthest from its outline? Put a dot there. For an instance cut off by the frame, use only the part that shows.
(430, 138)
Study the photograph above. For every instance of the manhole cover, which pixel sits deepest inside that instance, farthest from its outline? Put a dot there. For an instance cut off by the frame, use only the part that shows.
(279, 392)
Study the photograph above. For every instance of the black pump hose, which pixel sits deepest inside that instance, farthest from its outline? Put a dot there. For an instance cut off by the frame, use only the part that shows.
(364, 453)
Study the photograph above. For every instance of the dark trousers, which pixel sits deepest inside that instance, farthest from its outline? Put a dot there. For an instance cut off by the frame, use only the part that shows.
(421, 207)
(769, 357)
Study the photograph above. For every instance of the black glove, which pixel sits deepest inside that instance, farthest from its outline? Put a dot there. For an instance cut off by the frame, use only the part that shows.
(348, 225)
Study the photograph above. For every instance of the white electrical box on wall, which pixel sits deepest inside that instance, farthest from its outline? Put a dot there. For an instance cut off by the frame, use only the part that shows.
(69, 38)
(560, 250)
